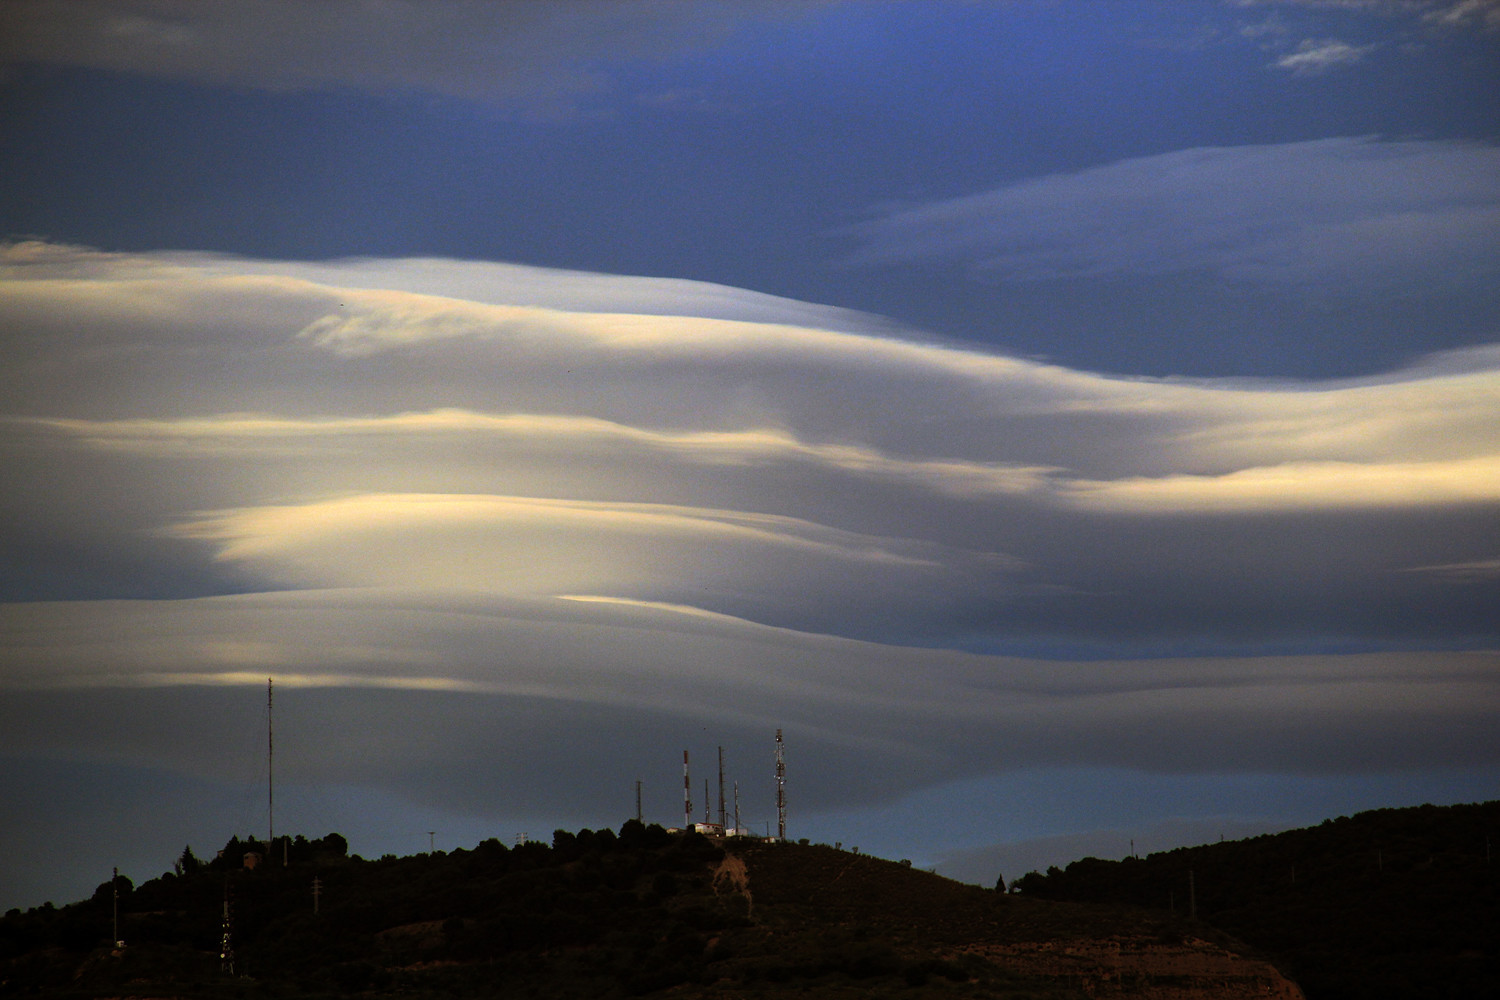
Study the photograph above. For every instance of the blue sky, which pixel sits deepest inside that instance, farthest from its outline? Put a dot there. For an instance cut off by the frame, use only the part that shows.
(1072, 420)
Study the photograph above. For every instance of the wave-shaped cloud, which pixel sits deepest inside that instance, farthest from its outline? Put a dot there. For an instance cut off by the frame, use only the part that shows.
(1330, 212)
(461, 506)
(947, 713)
(306, 433)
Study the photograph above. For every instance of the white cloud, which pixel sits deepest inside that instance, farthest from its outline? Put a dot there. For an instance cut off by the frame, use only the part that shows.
(317, 434)
(1476, 570)
(537, 505)
(1301, 485)
(468, 513)
(1485, 13)
(1319, 55)
(538, 545)
(1331, 213)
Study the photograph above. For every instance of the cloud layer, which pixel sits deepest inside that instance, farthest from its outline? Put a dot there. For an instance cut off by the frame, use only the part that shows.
(386, 436)
(1346, 210)
(543, 54)
(469, 513)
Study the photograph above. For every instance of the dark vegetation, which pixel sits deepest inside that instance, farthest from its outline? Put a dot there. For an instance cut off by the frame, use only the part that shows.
(1394, 903)
(593, 914)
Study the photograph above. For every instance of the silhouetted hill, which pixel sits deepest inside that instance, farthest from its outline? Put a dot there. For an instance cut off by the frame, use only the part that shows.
(1394, 903)
(599, 915)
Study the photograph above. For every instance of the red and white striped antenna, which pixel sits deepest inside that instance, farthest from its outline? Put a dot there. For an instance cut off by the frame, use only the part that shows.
(687, 795)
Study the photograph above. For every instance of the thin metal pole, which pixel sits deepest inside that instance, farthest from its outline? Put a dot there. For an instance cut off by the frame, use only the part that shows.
(270, 771)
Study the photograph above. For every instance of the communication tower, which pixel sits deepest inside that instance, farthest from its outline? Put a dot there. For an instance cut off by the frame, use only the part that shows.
(780, 789)
(226, 937)
(687, 795)
(723, 817)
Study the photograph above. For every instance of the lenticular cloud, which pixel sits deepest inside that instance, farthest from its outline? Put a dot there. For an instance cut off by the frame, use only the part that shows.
(511, 497)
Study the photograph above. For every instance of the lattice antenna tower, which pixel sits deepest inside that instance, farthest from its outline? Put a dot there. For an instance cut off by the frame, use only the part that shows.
(687, 794)
(723, 816)
(226, 936)
(780, 789)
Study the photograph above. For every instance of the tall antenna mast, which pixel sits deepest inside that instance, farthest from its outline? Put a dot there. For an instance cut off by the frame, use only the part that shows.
(270, 773)
(687, 795)
(723, 817)
(638, 800)
(780, 789)
(736, 808)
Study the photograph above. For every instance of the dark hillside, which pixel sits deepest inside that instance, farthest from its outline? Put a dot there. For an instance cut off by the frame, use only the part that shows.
(600, 915)
(1393, 903)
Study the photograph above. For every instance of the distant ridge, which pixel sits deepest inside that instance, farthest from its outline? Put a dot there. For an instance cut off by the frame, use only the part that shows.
(1391, 903)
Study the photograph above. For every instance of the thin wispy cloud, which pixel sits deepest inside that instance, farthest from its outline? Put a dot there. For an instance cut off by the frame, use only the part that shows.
(1485, 13)
(1357, 212)
(1321, 55)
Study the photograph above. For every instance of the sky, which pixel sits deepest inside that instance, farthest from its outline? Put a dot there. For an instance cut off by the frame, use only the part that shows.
(1074, 425)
